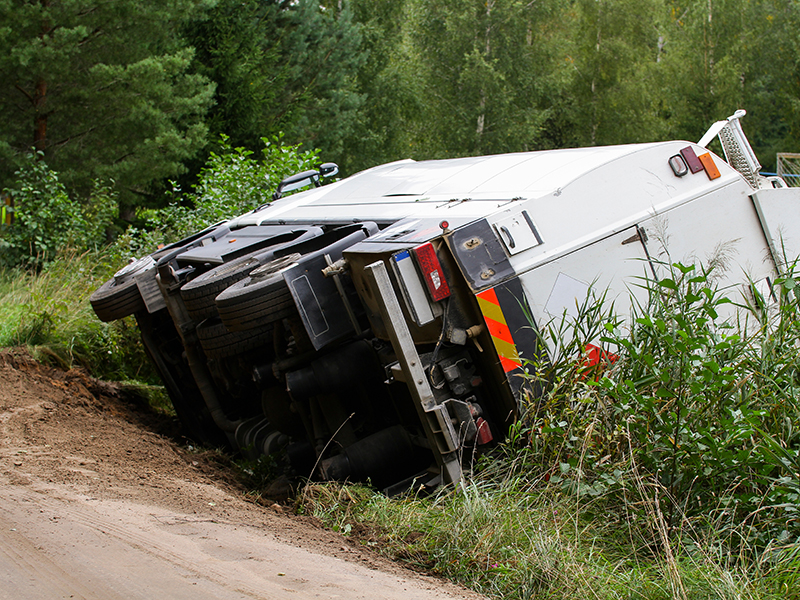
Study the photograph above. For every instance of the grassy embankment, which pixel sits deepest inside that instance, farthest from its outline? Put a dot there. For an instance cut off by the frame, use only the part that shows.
(49, 313)
(672, 473)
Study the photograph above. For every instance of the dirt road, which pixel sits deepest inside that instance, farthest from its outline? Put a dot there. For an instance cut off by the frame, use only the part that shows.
(96, 503)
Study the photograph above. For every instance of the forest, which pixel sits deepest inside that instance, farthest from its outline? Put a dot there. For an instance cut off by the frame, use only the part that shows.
(135, 95)
(127, 125)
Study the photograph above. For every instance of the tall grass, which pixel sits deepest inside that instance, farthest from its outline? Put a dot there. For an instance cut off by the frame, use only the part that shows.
(509, 538)
(48, 311)
(668, 470)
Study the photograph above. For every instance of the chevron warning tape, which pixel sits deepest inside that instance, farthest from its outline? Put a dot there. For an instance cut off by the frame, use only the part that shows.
(499, 330)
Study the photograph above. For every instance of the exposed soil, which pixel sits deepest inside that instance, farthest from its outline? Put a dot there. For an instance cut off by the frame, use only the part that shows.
(98, 501)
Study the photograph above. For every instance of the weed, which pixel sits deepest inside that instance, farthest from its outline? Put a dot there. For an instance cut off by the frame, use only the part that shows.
(48, 311)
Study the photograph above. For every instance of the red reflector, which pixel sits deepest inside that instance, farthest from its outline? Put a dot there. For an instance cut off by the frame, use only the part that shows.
(595, 355)
(484, 432)
(432, 271)
(595, 359)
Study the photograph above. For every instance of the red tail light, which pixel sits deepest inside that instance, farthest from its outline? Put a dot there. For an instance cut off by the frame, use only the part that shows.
(432, 271)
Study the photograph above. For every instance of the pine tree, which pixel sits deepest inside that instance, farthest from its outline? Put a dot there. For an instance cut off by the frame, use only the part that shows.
(281, 66)
(102, 88)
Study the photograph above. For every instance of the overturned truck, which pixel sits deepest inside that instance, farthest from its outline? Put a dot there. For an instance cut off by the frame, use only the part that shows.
(377, 328)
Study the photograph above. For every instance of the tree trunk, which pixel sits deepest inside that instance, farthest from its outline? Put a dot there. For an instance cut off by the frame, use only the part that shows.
(40, 97)
(40, 116)
(487, 52)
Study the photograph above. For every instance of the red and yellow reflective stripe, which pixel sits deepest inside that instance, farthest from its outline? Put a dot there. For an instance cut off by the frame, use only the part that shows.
(498, 329)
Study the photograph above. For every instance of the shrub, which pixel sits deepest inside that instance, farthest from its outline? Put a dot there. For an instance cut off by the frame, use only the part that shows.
(232, 182)
(48, 311)
(47, 220)
(698, 410)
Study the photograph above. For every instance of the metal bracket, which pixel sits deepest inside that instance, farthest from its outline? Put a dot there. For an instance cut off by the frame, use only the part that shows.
(435, 419)
(340, 288)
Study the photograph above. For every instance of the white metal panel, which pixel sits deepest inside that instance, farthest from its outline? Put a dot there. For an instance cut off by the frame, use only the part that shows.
(412, 288)
(547, 172)
(583, 194)
(779, 213)
(613, 198)
(451, 185)
(720, 229)
(517, 232)
(607, 267)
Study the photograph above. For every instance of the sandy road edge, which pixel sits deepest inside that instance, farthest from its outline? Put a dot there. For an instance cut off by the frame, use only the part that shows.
(95, 504)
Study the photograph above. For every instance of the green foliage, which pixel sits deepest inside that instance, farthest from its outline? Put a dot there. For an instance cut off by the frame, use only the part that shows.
(699, 410)
(48, 312)
(487, 74)
(238, 46)
(103, 89)
(391, 99)
(617, 54)
(679, 389)
(281, 66)
(508, 537)
(47, 220)
(232, 182)
(458, 78)
(129, 93)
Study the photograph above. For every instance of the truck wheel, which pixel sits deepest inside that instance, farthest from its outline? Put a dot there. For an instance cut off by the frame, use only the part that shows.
(260, 299)
(112, 300)
(218, 342)
(199, 293)
(119, 296)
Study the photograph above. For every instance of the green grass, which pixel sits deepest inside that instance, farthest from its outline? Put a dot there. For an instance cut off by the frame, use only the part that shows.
(12, 310)
(49, 313)
(509, 538)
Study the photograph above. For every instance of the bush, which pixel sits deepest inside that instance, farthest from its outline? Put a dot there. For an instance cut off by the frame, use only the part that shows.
(48, 311)
(700, 411)
(232, 182)
(47, 220)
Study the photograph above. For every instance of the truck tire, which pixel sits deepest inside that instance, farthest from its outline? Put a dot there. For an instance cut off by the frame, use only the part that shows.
(218, 342)
(260, 299)
(119, 296)
(198, 295)
(113, 300)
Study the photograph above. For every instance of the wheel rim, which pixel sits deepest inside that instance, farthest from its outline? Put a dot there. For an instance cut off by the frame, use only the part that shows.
(138, 266)
(274, 267)
(232, 266)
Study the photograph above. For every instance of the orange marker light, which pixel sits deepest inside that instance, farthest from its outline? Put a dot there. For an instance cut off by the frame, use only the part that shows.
(708, 164)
